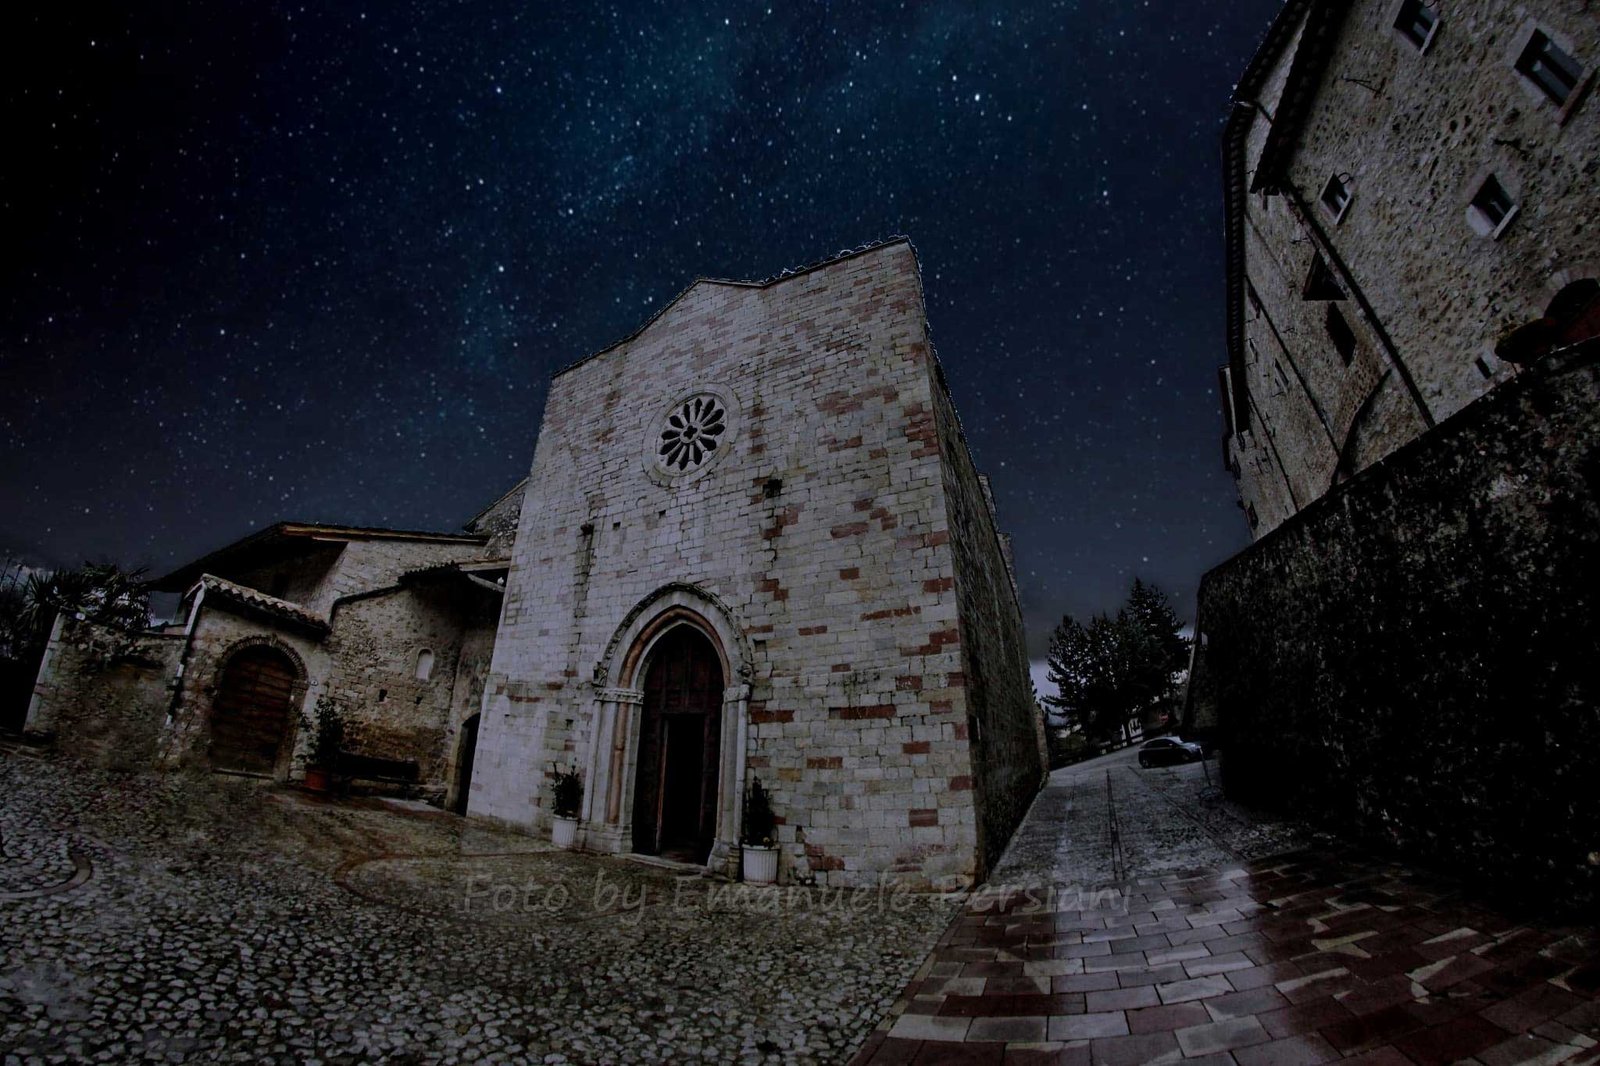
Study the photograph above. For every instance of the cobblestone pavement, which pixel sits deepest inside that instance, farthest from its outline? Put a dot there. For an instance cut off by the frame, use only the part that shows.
(1139, 918)
(184, 918)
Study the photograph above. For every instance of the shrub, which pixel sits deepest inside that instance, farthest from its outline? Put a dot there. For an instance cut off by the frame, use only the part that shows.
(327, 735)
(760, 823)
(568, 789)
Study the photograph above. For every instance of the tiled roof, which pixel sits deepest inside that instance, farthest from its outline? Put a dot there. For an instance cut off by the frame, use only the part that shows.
(236, 595)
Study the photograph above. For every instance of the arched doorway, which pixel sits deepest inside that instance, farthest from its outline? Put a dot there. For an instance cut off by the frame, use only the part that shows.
(680, 726)
(469, 749)
(250, 716)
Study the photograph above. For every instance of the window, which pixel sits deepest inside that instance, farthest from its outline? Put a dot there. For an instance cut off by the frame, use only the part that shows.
(1547, 66)
(1417, 23)
(1336, 196)
(1320, 283)
(424, 664)
(1492, 208)
(1344, 338)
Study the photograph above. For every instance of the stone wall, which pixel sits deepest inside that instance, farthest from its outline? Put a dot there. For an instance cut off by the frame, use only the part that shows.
(1004, 725)
(374, 652)
(1412, 135)
(821, 531)
(366, 565)
(103, 693)
(1412, 656)
(217, 635)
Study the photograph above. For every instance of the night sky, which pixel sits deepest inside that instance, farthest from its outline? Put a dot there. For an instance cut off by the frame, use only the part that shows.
(318, 262)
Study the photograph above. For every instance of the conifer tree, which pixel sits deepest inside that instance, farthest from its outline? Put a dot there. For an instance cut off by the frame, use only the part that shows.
(1109, 671)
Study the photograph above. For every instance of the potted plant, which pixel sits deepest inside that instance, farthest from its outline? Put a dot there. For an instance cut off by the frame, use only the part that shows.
(568, 789)
(760, 851)
(327, 740)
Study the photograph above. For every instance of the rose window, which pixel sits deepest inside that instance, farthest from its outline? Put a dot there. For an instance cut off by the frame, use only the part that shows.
(693, 432)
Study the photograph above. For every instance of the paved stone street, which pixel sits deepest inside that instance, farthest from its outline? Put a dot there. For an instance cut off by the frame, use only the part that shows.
(1139, 918)
(178, 918)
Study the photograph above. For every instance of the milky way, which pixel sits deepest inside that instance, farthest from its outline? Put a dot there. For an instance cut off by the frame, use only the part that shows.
(318, 262)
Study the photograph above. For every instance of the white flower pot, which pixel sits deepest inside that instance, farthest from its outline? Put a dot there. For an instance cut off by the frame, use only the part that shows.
(564, 832)
(760, 865)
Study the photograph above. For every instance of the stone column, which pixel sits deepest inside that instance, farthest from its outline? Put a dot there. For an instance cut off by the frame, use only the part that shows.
(603, 823)
(732, 751)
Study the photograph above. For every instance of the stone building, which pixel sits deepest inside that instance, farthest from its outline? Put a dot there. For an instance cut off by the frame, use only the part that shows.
(1413, 413)
(394, 627)
(754, 545)
(1411, 217)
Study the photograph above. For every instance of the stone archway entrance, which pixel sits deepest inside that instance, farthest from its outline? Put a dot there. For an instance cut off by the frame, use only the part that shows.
(250, 715)
(680, 728)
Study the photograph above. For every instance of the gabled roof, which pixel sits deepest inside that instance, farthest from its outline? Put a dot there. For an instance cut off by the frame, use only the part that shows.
(249, 602)
(284, 536)
(776, 279)
(471, 524)
(468, 575)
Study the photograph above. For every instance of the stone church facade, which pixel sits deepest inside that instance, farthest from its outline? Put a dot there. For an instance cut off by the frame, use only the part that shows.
(754, 546)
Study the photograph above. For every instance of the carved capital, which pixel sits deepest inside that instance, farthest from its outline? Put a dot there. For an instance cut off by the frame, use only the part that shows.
(619, 695)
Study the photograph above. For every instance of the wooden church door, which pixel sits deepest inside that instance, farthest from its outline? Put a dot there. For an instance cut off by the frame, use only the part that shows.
(675, 789)
(250, 715)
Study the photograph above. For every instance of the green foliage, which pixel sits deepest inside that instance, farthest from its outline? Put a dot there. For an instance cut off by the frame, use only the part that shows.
(568, 788)
(327, 735)
(760, 824)
(15, 636)
(102, 593)
(98, 592)
(1110, 670)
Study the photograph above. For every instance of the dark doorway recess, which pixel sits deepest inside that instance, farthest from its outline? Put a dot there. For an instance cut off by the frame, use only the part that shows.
(675, 791)
(250, 716)
(469, 748)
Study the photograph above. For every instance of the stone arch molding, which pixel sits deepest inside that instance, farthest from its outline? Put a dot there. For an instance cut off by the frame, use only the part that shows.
(614, 742)
(302, 675)
(652, 617)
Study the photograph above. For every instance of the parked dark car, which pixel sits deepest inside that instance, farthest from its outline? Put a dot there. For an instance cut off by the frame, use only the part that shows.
(1168, 751)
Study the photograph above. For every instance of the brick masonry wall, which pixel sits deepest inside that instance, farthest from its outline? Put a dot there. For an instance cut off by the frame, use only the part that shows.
(1414, 134)
(823, 529)
(103, 694)
(1004, 726)
(1412, 657)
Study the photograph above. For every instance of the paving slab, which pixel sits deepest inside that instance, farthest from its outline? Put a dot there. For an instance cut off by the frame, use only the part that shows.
(1209, 933)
